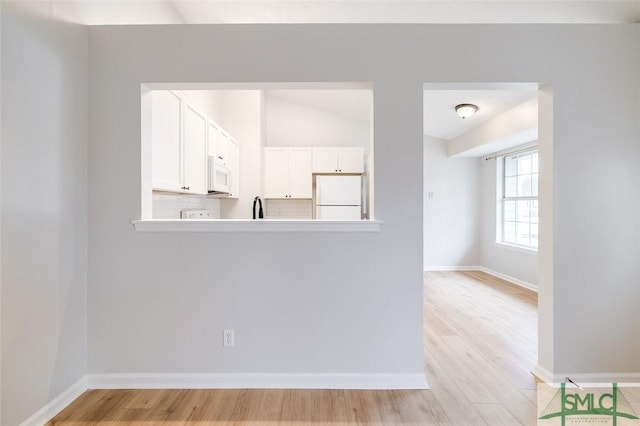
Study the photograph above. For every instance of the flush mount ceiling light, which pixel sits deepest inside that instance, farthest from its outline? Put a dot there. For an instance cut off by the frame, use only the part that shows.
(466, 110)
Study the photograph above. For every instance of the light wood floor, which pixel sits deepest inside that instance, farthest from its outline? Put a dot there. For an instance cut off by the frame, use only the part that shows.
(480, 339)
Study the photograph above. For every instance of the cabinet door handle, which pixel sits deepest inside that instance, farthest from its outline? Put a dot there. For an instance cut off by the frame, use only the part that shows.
(219, 157)
(186, 187)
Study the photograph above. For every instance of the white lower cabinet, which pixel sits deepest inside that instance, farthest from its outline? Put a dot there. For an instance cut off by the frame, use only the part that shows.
(287, 172)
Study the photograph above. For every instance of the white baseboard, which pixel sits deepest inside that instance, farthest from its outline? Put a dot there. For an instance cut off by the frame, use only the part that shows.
(508, 278)
(451, 268)
(257, 381)
(56, 405)
(585, 378)
(497, 274)
(542, 374)
(225, 381)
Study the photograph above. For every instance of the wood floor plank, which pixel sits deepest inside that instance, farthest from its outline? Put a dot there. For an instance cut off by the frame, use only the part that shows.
(496, 415)
(480, 343)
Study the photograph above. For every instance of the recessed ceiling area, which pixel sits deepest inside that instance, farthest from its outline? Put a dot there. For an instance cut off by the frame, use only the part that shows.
(442, 122)
(347, 11)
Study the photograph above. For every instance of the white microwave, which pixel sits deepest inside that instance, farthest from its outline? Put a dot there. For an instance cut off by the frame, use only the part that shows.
(219, 177)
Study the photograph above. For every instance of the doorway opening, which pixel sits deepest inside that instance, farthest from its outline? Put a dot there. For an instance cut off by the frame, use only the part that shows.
(488, 223)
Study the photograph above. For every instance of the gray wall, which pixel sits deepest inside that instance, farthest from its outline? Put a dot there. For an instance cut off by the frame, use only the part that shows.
(298, 302)
(451, 217)
(345, 302)
(44, 208)
(460, 219)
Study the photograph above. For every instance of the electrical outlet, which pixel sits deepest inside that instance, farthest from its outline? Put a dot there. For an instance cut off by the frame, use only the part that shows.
(430, 195)
(228, 339)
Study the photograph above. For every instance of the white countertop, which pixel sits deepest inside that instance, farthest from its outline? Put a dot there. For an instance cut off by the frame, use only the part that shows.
(255, 225)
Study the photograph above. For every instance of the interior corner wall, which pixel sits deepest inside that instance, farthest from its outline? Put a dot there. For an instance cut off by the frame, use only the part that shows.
(451, 216)
(320, 302)
(517, 264)
(44, 208)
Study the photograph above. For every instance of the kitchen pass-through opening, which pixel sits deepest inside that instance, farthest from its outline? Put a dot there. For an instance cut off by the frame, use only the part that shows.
(213, 151)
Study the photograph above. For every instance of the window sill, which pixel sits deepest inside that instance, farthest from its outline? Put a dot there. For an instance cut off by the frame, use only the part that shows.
(262, 225)
(517, 248)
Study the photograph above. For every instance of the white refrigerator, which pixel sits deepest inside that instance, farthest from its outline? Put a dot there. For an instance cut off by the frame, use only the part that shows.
(338, 197)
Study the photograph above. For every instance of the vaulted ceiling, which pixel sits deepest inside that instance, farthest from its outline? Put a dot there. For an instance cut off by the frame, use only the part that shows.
(100, 12)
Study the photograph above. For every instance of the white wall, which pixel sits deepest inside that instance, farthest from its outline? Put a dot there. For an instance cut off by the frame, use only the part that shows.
(451, 217)
(293, 124)
(344, 302)
(519, 264)
(44, 208)
(243, 118)
(209, 102)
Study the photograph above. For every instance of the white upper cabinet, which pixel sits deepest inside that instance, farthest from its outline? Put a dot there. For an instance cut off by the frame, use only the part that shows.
(222, 148)
(300, 179)
(225, 151)
(276, 172)
(212, 138)
(183, 138)
(287, 172)
(166, 136)
(325, 160)
(338, 160)
(234, 167)
(195, 151)
(351, 160)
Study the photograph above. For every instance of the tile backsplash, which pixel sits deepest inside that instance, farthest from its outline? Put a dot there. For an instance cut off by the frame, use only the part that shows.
(289, 209)
(168, 206)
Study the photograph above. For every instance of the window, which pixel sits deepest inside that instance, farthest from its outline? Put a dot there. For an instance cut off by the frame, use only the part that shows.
(519, 200)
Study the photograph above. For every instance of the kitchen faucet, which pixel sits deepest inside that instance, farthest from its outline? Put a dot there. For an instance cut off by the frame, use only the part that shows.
(260, 212)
